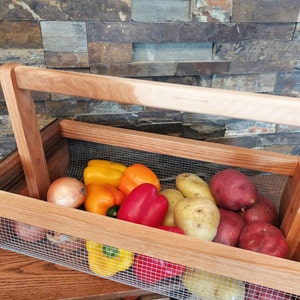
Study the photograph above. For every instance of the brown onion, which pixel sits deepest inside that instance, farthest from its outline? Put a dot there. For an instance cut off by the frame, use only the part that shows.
(66, 191)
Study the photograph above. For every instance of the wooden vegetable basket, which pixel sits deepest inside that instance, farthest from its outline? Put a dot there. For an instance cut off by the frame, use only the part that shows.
(65, 146)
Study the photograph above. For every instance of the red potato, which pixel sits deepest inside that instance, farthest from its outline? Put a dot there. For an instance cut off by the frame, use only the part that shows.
(264, 238)
(29, 233)
(257, 292)
(262, 210)
(233, 190)
(5, 229)
(230, 227)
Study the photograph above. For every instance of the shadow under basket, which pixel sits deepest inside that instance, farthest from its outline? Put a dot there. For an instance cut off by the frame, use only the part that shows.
(73, 237)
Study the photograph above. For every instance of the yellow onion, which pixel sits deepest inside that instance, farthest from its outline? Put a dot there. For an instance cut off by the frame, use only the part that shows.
(66, 191)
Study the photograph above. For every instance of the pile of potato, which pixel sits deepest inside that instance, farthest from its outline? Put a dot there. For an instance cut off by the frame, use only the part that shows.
(227, 210)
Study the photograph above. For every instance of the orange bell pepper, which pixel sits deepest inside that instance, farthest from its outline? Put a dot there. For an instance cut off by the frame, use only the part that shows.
(103, 171)
(135, 175)
(101, 197)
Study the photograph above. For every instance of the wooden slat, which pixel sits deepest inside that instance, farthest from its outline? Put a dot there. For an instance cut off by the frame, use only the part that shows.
(11, 172)
(181, 147)
(217, 258)
(244, 105)
(27, 133)
(12, 177)
(291, 213)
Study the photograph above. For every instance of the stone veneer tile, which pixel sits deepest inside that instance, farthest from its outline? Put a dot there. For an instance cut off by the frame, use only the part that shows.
(32, 10)
(137, 69)
(256, 83)
(297, 30)
(184, 32)
(265, 11)
(252, 67)
(110, 52)
(24, 55)
(106, 10)
(258, 50)
(211, 10)
(202, 68)
(23, 34)
(60, 36)
(160, 11)
(57, 10)
(243, 128)
(233, 67)
(67, 59)
(172, 51)
(288, 83)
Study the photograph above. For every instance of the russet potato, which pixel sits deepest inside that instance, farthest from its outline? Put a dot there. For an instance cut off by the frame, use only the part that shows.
(173, 196)
(191, 185)
(212, 286)
(198, 217)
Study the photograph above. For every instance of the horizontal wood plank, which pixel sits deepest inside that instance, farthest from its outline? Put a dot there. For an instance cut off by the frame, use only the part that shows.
(220, 259)
(244, 105)
(181, 147)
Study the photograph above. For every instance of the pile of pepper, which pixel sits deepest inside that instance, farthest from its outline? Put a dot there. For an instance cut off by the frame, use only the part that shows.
(131, 194)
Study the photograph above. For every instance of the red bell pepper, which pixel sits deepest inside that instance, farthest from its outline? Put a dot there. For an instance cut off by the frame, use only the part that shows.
(144, 205)
(174, 229)
(151, 270)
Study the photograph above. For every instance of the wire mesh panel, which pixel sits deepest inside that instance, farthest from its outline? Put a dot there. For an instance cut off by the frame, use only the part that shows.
(166, 167)
(145, 272)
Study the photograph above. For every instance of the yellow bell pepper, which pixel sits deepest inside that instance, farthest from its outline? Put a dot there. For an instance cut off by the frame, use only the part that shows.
(106, 261)
(103, 171)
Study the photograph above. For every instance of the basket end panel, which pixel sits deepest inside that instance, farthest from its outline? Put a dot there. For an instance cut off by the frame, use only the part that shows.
(289, 213)
(21, 109)
(12, 178)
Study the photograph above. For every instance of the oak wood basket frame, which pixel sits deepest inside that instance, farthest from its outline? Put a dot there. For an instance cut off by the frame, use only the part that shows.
(44, 158)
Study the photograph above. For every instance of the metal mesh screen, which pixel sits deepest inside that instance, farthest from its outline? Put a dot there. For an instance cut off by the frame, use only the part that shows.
(162, 277)
(166, 166)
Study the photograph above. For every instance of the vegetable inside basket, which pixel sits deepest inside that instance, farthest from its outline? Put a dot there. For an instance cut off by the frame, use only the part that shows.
(197, 267)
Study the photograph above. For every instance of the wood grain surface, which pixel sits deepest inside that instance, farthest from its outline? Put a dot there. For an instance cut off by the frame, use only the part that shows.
(26, 278)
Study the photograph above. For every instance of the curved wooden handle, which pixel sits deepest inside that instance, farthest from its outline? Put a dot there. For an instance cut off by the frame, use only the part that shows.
(235, 104)
(17, 81)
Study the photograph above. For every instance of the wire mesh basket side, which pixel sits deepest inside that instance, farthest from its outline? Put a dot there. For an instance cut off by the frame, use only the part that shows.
(144, 272)
(159, 276)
